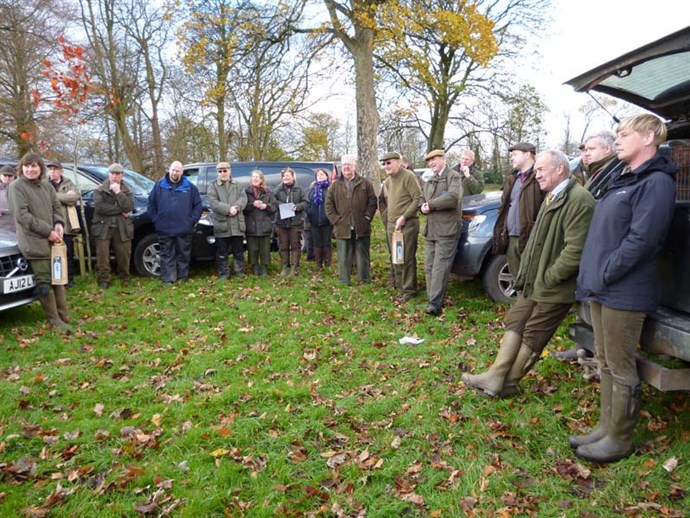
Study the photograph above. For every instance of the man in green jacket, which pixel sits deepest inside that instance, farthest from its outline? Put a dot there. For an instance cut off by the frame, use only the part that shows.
(442, 204)
(472, 177)
(546, 278)
(402, 188)
(68, 196)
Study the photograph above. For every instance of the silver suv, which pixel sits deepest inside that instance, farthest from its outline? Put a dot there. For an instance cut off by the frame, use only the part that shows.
(16, 279)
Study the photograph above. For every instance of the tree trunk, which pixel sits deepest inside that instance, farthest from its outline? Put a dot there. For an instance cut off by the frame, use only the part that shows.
(362, 50)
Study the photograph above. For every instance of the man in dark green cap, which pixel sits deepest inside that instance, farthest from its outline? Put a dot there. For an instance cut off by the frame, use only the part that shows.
(403, 193)
(441, 202)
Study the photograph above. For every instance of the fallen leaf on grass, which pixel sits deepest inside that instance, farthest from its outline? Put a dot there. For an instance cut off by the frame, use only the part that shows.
(53, 499)
(412, 498)
(98, 409)
(671, 464)
(219, 452)
(337, 460)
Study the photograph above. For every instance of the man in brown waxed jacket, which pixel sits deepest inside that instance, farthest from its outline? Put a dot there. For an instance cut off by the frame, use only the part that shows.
(113, 205)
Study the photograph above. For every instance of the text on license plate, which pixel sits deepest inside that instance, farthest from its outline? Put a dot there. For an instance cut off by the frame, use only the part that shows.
(20, 283)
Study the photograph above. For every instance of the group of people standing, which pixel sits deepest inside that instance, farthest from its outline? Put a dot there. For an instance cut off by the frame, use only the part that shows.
(595, 243)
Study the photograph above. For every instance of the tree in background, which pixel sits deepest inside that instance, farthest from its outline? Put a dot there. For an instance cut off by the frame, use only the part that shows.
(317, 138)
(246, 57)
(150, 28)
(438, 51)
(28, 38)
(353, 22)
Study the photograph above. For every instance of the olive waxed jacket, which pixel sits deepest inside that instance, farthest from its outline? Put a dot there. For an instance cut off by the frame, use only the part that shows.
(112, 210)
(223, 196)
(550, 261)
(443, 193)
(36, 209)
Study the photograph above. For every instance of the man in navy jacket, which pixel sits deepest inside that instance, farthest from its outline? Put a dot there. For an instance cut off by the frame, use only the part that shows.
(175, 207)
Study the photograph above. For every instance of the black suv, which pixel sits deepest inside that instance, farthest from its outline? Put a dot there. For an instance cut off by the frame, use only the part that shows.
(657, 77)
(204, 174)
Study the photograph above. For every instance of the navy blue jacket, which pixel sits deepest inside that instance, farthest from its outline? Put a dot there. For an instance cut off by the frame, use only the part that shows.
(628, 229)
(317, 213)
(174, 211)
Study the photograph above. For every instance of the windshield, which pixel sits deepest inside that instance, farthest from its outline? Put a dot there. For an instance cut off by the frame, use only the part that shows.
(92, 176)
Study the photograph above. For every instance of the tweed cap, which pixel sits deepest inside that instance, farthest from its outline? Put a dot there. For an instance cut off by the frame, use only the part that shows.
(116, 168)
(434, 152)
(391, 155)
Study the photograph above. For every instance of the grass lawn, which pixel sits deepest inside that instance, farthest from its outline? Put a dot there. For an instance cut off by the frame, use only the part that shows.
(293, 397)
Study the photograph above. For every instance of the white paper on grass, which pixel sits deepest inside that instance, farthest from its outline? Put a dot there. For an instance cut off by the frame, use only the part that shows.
(410, 340)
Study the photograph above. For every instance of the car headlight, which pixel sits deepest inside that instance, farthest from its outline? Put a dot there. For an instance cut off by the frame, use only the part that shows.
(475, 222)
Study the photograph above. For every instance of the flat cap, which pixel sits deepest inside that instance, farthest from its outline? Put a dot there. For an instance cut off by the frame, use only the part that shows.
(54, 163)
(8, 170)
(391, 155)
(434, 152)
(523, 146)
(116, 168)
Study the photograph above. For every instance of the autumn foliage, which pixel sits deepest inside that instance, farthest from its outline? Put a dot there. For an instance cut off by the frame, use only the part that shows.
(70, 82)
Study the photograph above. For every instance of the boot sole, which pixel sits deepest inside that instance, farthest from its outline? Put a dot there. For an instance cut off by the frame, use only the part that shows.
(606, 460)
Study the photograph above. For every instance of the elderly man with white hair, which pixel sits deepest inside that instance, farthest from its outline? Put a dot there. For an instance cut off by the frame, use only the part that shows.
(546, 278)
(350, 207)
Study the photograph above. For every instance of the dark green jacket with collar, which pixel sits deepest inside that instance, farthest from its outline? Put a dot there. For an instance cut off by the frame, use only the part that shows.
(551, 259)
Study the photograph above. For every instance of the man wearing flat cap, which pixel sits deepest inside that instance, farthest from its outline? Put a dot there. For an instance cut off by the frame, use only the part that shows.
(441, 202)
(68, 196)
(113, 204)
(520, 204)
(403, 192)
(7, 175)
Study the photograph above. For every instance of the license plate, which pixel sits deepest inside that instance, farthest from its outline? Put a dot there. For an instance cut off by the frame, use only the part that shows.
(15, 284)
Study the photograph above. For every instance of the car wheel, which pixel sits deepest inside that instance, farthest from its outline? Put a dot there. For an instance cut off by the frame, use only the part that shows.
(497, 280)
(146, 259)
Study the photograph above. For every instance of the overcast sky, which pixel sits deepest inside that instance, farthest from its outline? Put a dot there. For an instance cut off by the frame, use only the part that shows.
(587, 33)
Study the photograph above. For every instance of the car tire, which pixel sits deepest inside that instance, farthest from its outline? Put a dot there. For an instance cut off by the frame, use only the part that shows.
(497, 280)
(146, 259)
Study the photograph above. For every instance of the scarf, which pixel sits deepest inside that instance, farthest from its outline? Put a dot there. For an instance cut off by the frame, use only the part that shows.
(258, 191)
(319, 189)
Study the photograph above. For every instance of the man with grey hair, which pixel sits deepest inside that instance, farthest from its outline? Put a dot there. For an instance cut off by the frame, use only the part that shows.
(600, 157)
(546, 278)
(350, 207)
